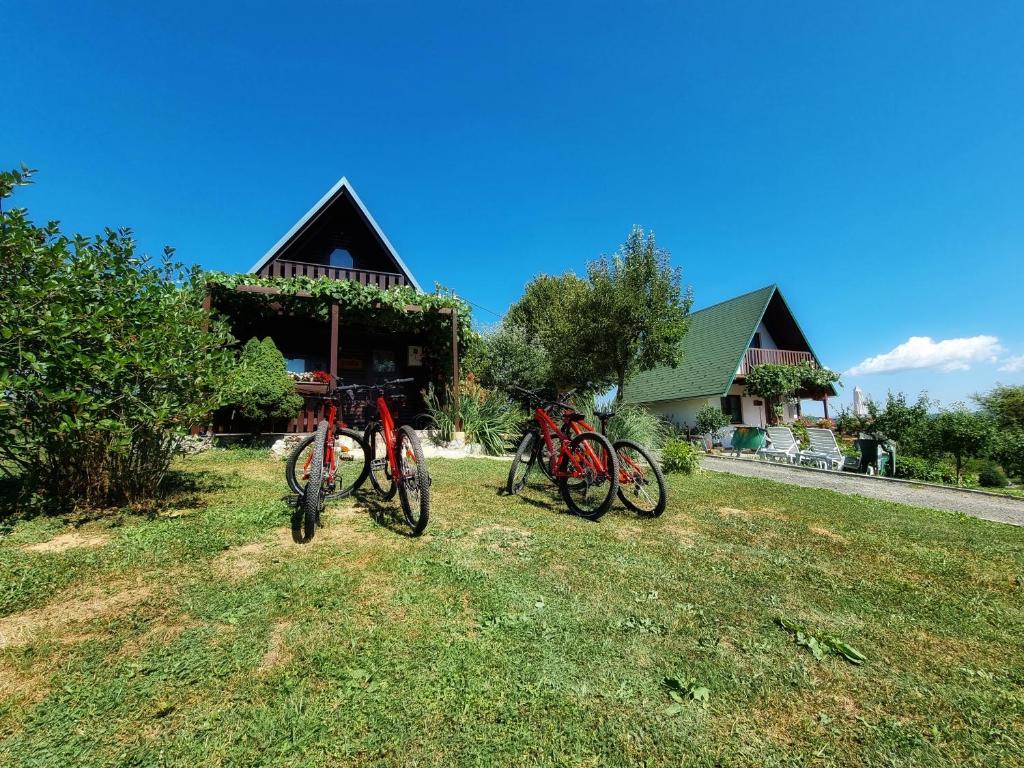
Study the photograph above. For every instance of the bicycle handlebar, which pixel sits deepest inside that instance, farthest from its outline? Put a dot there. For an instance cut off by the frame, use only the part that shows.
(542, 402)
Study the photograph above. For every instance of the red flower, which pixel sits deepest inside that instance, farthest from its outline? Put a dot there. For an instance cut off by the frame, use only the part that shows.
(323, 376)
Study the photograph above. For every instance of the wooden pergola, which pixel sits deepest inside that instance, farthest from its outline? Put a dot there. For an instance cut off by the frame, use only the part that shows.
(335, 319)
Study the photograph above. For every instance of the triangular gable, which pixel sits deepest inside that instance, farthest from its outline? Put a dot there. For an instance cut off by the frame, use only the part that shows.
(339, 192)
(714, 346)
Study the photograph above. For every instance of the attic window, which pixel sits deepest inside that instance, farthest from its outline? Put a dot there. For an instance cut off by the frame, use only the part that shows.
(340, 258)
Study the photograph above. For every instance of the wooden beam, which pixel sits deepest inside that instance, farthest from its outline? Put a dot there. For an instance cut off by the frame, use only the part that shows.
(334, 342)
(456, 375)
(207, 306)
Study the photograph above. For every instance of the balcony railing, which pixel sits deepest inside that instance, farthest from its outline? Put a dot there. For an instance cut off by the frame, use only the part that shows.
(754, 357)
(282, 268)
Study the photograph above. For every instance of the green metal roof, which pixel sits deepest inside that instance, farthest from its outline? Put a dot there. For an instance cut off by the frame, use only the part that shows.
(713, 348)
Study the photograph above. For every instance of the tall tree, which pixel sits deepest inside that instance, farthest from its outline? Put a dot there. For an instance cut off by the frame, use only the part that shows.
(638, 310)
(1005, 404)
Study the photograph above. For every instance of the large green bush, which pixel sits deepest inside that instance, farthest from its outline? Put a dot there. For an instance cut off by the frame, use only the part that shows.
(105, 361)
(710, 419)
(259, 387)
(925, 470)
(505, 357)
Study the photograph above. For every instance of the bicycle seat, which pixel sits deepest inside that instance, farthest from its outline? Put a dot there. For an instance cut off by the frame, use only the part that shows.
(603, 415)
(574, 417)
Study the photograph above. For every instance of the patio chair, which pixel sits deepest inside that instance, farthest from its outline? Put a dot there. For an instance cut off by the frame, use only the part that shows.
(824, 451)
(780, 446)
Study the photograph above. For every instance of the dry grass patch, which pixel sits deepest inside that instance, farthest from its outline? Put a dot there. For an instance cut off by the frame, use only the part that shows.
(66, 541)
(277, 653)
(830, 535)
(57, 618)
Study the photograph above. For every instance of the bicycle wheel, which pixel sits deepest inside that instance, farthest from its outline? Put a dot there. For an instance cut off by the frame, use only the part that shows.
(522, 464)
(379, 467)
(590, 475)
(352, 466)
(414, 482)
(312, 499)
(641, 484)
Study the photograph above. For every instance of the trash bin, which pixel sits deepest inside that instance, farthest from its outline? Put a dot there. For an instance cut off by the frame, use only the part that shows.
(877, 457)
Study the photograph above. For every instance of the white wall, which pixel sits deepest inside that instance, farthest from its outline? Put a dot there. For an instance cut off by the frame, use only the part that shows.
(767, 342)
(682, 412)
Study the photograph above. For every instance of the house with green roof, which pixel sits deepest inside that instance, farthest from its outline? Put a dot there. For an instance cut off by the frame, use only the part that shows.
(723, 343)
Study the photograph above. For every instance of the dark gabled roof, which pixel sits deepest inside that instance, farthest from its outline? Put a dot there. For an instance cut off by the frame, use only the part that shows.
(713, 348)
(342, 189)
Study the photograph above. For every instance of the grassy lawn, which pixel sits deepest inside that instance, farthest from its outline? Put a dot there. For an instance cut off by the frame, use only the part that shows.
(510, 633)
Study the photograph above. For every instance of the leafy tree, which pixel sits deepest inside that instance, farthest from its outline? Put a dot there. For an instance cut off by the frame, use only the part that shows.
(106, 359)
(628, 315)
(711, 419)
(504, 357)
(902, 421)
(962, 433)
(1005, 404)
(776, 383)
(259, 387)
(1008, 450)
(639, 312)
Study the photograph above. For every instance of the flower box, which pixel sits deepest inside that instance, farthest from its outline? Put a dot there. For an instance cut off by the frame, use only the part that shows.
(311, 387)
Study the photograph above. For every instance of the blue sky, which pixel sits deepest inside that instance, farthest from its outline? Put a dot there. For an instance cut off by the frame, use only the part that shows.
(864, 156)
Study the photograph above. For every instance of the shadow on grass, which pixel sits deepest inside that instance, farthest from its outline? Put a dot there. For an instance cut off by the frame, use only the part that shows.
(387, 514)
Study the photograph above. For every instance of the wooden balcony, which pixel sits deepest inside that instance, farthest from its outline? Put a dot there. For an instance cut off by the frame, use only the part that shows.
(754, 357)
(280, 268)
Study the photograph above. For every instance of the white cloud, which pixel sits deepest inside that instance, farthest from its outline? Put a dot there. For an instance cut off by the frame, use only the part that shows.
(925, 352)
(1013, 364)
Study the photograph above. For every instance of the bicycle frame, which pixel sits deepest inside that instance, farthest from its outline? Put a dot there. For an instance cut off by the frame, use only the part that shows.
(330, 460)
(548, 428)
(624, 459)
(387, 424)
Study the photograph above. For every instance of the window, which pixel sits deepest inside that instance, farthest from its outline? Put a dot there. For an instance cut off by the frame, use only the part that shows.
(732, 407)
(756, 343)
(340, 258)
(295, 364)
(384, 361)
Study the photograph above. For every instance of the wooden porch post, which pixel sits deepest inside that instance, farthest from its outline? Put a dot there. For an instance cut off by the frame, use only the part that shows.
(824, 400)
(334, 342)
(456, 394)
(207, 306)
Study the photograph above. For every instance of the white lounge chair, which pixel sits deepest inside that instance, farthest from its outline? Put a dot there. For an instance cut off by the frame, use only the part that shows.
(780, 446)
(823, 451)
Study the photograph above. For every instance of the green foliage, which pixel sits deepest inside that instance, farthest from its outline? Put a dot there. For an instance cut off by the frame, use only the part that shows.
(1008, 450)
(991, 476)
(489, 417)
(628, 315)
(710, 419)
(259, 386)
(820, 646)
(630, 422)
(1005, 404)
(104, 361)
(779, 383)
(308, 297)
(505, 357)
(680, 456)
(925, 470)
(639, 309)
(962, 433)
(776, 383)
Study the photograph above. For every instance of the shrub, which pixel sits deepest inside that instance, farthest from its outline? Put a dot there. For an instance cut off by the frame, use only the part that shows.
(925, 470)
(799, 429)
(991, 476)
(1008, 450)
(630, 422)
(504, 357)
(489, 417)
(105, 361)
(680, 456)
(962, 433)
(259, 387)
(710, 419)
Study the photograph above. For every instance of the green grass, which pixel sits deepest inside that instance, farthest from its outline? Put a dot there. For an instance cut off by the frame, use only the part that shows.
(511, 633)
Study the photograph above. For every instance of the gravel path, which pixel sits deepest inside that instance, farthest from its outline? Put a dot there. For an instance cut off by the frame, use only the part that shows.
(1001, 509)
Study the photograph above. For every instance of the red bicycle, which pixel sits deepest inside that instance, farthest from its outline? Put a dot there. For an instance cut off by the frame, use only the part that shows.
(580, 461)
(396, 461)
(641, 483)
(319, 456)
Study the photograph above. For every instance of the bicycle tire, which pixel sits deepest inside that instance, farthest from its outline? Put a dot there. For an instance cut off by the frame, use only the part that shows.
(377, 461)
(638, 484)
(526, 455)
(608, 477)
(312, 499)
(298, 487)
(414, 483)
